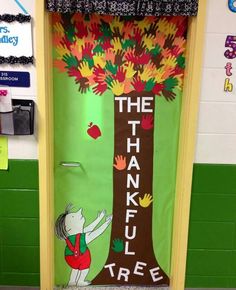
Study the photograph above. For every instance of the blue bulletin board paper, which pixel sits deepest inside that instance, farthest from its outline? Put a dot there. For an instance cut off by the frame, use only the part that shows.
(15, 79)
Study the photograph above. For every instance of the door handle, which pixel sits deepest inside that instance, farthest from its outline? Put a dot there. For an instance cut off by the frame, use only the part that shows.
(70, 164)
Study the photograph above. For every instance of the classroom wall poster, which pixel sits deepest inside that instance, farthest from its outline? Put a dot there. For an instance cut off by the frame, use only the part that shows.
(16, 39)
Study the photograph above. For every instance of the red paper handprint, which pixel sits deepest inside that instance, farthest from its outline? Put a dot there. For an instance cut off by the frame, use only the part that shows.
(99, 89)
(138, 84)
(95, 30)
(144, 58)
(120, 75)
(147, 122)
(87, 50)
(81, 30)
(107, 44)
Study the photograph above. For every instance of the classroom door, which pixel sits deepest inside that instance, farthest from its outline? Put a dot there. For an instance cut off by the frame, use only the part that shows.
(117, 100)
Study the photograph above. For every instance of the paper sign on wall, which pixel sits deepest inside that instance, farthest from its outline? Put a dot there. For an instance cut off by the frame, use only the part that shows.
(15, 79)
(15, 39)
(3, 153)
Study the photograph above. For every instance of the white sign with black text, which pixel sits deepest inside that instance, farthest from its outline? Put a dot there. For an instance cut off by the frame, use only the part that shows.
(16, 39)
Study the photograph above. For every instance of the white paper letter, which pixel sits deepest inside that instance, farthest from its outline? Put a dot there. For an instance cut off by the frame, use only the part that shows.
(134, 125)
(130, 213)
(127, 252)
(155, 273)
(120, 99)
(136, 145)
(133, 233)
(133, 163)
(110, 266)
(130, 199)
(146, 103)
(139, 267)
(123, 272)
(133, 104)
(130, 180)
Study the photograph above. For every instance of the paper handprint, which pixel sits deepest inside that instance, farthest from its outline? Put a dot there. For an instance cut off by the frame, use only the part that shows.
(120, 162)
(147, 122)
(118, 245)
(146, 200)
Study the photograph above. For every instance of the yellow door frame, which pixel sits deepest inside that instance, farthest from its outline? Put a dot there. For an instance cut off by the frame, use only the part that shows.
(187, 141)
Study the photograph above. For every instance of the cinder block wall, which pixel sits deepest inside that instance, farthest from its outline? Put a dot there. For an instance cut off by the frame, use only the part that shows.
(19, 224)
(212, 238)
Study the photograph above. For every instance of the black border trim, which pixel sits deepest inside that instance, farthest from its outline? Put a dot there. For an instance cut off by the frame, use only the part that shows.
(126, 7)
(17, 60)
(21, 18)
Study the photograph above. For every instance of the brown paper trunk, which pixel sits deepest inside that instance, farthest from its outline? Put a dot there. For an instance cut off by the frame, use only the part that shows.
(142, 245)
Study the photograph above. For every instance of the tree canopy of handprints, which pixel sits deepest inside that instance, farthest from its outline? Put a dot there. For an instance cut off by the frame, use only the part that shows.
(121, 54)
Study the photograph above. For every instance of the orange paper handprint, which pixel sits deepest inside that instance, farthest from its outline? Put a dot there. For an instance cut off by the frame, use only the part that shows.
(120, 162)
(146, 200)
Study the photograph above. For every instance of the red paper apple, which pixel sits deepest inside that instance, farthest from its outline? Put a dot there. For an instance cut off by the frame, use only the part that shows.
(94, 131)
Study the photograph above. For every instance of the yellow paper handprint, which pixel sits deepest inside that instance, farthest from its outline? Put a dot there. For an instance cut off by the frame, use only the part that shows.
(117, 88)
(62, 50)
(99, 60)
(80, 43)
(144, 23)
(85, 70)
(169, 61)
(116, 23)
(130, 72)
(159, 76)
(149, 41)
(163, 25)
(117, 44)
(180, 82)
(146, 200)
(146, 74)
(59, 28)
(171, 29)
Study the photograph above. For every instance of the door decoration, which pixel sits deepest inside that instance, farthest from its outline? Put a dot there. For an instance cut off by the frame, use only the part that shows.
(134, 61)
(16, 39)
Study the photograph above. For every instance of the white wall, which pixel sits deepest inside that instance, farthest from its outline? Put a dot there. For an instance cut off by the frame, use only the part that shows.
(22, 147)
(216, 141)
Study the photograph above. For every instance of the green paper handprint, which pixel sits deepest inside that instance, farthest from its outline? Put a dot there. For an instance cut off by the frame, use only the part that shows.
(150, 85)
(118, 245)
(112, 68)
(98, 49)
(70, 60)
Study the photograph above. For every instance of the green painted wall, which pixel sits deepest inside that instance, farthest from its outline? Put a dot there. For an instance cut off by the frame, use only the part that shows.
(212, 238)
(19, 224)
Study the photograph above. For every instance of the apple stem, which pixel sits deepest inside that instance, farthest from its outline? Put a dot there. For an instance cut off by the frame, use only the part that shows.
(90, 124)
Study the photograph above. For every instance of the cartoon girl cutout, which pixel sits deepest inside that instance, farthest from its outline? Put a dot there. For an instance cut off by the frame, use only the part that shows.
(70, 227)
